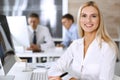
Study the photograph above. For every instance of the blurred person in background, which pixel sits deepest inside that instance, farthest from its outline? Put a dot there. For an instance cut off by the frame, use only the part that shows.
(39, 36)
(71, 31)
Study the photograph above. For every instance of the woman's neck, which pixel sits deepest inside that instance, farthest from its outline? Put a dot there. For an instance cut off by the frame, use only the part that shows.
(88, 38)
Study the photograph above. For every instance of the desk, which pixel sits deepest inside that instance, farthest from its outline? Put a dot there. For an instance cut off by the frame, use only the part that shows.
(48, 53)
(17, 70)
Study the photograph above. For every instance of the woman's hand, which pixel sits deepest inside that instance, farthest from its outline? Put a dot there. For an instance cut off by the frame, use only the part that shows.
(54, 78)
(73, 78)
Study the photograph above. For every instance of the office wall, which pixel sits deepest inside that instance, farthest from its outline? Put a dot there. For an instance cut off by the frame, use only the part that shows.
(50, 12)
(110, 10)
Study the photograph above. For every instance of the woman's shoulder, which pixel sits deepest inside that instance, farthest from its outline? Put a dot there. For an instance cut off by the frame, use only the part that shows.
(77, 41)
(107, 47)
(105, 44)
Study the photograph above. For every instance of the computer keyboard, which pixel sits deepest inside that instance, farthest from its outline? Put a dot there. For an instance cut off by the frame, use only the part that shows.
(40, 71)
(39, 75)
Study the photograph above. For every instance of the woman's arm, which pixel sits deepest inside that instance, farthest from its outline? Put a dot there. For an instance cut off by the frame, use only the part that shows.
(107, 63)
(61, 65)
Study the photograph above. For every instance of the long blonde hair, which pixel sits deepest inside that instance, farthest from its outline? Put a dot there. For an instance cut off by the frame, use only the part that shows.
(102, 33)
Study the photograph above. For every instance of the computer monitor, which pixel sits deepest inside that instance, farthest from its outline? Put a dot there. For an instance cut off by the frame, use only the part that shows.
(7, 59)
(19, 32)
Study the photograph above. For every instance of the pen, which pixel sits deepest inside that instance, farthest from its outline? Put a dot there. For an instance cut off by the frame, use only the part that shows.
(64, 74)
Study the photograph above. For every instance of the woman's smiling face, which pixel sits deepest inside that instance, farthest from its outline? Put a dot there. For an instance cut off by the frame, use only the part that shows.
(89, 19)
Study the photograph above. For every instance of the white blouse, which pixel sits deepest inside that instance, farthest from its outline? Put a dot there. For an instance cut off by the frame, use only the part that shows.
(98, 64)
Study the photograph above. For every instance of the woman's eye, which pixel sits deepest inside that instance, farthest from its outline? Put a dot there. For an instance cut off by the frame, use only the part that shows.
(94, 16)
(83, 15)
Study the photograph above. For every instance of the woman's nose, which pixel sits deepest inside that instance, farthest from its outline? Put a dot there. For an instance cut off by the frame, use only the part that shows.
(88, 19)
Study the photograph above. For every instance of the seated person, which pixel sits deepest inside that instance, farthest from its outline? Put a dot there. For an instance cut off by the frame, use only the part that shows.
(71, 32)
(40, 38)
(92, 57)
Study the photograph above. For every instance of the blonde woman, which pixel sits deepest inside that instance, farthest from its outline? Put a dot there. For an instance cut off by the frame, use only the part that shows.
(91, 58)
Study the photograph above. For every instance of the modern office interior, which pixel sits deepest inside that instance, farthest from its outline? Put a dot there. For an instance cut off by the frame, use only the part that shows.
(13, 26)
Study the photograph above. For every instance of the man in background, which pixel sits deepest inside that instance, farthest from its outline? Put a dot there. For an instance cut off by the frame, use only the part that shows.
(71, 32)
(39, 36)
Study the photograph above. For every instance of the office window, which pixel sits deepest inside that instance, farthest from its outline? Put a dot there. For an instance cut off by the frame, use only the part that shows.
(50, 12)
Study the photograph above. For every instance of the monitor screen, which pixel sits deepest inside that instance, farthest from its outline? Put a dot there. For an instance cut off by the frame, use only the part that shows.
(19, 32)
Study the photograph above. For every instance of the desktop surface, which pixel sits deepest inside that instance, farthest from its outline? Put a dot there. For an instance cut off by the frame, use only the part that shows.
(17, 71)
(51, 54)
(18, 68)
(7, 77)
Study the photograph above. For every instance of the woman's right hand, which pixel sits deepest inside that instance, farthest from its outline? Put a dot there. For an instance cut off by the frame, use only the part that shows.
(73, 78)
(54, 78)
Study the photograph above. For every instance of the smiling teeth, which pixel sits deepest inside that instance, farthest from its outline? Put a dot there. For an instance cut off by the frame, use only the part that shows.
(89, 25)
